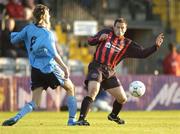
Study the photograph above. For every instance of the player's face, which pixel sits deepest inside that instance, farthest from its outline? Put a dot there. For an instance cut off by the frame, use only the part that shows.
(120, 29)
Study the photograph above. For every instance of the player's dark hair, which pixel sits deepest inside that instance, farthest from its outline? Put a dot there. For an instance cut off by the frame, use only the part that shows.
(39, 11)
(120, 20)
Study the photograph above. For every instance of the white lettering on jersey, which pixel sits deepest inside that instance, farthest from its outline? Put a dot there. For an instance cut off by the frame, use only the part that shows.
(109, 45)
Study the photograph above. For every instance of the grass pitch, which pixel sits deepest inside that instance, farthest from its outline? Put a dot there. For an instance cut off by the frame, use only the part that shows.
(137, 122)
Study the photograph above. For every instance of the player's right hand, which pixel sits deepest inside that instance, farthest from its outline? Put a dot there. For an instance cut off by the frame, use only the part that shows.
(103, 37)
(66, 73)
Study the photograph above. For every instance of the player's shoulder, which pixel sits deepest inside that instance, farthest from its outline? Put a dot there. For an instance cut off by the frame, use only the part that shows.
(30, 25)
(131, 43)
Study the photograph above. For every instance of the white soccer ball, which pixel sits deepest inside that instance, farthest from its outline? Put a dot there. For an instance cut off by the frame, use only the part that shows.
(137, 88)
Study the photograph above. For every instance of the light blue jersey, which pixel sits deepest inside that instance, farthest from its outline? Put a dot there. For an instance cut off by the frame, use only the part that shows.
(40, 45)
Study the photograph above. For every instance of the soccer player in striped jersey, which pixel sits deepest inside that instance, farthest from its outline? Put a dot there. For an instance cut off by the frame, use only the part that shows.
(48, 69)
(111, 48)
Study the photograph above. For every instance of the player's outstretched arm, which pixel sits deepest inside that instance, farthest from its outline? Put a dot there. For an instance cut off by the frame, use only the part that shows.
(159, 40)
(136, 51)
(17, 37)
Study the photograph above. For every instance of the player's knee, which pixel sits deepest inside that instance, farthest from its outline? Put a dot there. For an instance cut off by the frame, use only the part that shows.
(93, 96)
(70, 88)
(122, 100)
(93, 93)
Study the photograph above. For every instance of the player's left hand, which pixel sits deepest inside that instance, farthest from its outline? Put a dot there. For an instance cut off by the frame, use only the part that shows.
(159, 40)
(103, 37)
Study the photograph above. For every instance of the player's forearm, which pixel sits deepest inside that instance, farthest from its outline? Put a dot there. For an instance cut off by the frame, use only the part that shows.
(135, 51)
(148, 51)
(60, 62)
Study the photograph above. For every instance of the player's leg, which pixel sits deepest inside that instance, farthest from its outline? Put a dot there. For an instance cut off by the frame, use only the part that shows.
(37, 86)
(114, 87)
(71, 101)
(120, 98)
(93, 89)
(92, 82)
(29, 107)
(57, 78)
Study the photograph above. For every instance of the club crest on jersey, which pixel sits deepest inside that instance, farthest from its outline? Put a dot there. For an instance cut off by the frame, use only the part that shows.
(108, 45)
(112, 46)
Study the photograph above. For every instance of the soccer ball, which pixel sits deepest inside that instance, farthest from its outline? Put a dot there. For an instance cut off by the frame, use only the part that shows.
(137, 88)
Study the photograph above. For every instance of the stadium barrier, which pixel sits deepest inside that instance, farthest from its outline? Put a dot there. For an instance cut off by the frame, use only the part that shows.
(162, 93)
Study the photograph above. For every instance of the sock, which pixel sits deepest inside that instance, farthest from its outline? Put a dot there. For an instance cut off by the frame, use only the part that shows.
(116, 109)
(85, 107)
(72, 106)
(29, 107)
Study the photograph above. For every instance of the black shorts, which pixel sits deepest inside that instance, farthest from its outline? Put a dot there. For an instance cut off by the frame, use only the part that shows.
(45, 80)
(103, 74)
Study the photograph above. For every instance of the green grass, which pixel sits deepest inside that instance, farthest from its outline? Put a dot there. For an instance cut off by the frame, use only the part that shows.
(137, 122)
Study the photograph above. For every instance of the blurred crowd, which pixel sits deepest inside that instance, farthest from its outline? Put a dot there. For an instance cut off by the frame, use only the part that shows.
(15, 14)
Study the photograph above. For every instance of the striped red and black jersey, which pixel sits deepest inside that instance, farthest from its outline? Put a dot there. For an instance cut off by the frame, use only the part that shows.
(112, 50)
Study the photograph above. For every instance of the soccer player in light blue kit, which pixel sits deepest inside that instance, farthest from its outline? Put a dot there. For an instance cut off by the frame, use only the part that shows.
(48, 69)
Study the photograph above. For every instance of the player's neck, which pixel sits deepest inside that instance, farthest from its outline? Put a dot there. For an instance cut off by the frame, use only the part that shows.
(41, 24)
